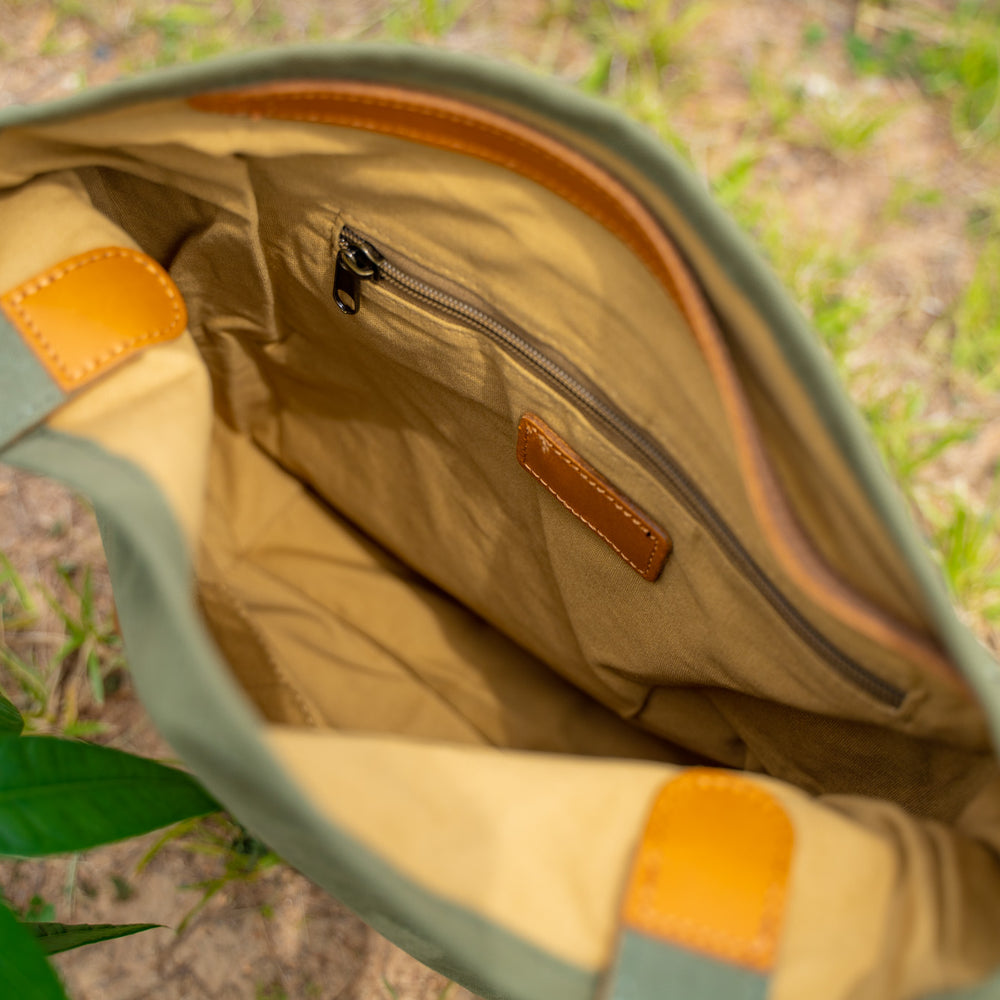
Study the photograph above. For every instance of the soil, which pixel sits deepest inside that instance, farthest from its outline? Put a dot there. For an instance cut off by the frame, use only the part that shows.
(279, 936)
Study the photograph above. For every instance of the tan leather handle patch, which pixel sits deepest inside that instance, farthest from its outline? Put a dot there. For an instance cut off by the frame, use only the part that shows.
(712, 870)
(582, 490)
(92, 311)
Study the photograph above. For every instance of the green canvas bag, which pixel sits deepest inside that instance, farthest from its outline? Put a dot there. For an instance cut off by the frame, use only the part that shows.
(491, 537)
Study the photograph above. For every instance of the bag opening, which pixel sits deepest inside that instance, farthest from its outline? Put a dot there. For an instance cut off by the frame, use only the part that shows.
(375, 558)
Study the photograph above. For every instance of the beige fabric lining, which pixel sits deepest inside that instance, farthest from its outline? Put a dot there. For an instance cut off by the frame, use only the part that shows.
(366, 644)
(522, 820)
(867, 918)
(373, 560)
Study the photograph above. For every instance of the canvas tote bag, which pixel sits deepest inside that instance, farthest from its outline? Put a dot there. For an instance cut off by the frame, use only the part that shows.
(490, 536)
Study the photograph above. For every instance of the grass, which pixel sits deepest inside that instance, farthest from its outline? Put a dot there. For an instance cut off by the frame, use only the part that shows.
(910, 201)
(90, 637)
(910, 437)
(161, 32)
(423, 20)
(632, 41)
(966, 538)
(952, 53)
(820, 274)
(270, 991)
(198, 29)
(976, 317)
(821, 277)
(638, 54)
(239, 856)
(846, 127)
(89, 647)
(808, 110)
(39, 909)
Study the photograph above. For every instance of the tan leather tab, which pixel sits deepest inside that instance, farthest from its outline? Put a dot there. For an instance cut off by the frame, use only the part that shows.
(584, 491)
(712, 869)
(92, 311)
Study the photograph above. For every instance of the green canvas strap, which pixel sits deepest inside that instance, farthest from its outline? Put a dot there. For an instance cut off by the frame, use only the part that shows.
(989, 990)
(648, 968)
(27, 391)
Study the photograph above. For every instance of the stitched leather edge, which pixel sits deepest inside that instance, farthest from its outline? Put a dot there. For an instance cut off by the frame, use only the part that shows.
(643, 909)
(16, 303)
(660, 545)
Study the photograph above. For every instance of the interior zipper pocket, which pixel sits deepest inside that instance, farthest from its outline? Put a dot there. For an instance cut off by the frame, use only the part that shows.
(359, 262)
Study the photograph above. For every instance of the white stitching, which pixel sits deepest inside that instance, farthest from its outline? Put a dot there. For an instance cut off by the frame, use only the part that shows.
(17, 298)
(529, 430)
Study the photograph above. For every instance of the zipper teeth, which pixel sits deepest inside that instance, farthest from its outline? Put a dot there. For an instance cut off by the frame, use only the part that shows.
(684, 489)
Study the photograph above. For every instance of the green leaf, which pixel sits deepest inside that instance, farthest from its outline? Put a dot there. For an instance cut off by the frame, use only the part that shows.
(23, 970)
(11, 722)
(58, 796)
(54, 938)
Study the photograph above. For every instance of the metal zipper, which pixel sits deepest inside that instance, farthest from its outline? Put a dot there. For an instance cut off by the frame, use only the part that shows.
(358, 262)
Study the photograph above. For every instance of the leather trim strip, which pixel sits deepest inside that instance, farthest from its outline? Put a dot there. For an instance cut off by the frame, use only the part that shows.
(455, 125)
(91, 312)
(447, 124)
(712, 871)
(583, 491)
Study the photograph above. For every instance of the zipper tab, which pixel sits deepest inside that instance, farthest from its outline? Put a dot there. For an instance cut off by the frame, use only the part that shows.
(355, 265)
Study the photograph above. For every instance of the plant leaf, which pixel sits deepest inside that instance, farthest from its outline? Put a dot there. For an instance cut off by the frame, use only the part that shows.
(23, 970)
(58, 795)
(11, 722)
(54, 938)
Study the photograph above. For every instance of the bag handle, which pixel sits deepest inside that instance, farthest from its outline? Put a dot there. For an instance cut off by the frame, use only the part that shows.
(29, 394)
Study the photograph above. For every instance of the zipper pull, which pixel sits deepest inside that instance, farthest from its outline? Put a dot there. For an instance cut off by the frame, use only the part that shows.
(355, 265)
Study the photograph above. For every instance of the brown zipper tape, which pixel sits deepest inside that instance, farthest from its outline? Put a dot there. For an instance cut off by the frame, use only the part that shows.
(446, 123)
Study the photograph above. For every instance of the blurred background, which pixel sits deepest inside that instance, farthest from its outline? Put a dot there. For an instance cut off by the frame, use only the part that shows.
(857, 142)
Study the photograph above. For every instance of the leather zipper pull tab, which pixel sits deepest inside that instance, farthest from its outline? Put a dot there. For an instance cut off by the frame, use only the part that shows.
(355, 265)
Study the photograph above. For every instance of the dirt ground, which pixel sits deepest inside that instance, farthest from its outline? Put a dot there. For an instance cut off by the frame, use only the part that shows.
(278, 937)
